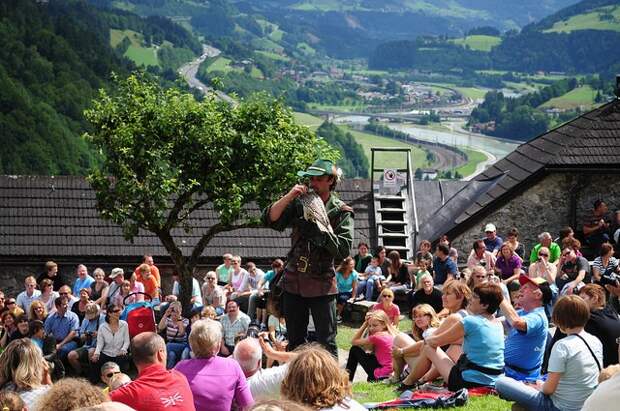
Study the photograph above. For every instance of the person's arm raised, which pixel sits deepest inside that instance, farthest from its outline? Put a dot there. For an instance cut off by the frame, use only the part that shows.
(277, 208)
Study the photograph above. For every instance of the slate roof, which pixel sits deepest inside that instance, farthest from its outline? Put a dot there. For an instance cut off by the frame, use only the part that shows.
(587, 142)
(56, 217)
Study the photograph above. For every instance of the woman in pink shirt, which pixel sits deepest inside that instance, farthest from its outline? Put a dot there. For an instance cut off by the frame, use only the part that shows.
(381, 332)
(386, 303)
(216, 382)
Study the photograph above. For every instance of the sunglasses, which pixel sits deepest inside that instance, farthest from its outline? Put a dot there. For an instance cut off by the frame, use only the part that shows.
(386, 296)
(543, 254)
(63, 293)
(565, 254)
(210, 278)
(112, 374)
(10, 302)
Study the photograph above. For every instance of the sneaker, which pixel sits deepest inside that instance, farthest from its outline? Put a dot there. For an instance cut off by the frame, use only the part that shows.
(339, 319)
(405, 387)
(392, 380)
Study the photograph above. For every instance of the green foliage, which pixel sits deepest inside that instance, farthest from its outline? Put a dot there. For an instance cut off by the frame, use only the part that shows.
(353, 161)
(52, 61)
(166, 155)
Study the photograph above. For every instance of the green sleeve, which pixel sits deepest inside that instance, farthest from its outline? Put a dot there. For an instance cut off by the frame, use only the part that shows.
(534, 254)
(285, 219)
(555, 252)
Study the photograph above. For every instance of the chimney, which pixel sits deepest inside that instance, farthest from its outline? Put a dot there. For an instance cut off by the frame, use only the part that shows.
(617, 89)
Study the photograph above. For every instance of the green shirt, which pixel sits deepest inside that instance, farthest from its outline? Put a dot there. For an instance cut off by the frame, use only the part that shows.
(310, 262)
(554, 251)
(223, 273)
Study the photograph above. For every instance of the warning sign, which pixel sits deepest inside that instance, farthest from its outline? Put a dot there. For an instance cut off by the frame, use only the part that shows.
(389, 177)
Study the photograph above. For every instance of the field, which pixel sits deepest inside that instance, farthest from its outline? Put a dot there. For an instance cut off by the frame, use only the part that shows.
(273, 56)
(473, 93)
(475, 157)
(581, 96)
(308, 120)
(220, 64)
(387, 160)
(590, 21)
(144, 56)
(479, 42)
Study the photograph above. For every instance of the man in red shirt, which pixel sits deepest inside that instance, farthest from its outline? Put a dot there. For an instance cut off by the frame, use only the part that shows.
(155, 388)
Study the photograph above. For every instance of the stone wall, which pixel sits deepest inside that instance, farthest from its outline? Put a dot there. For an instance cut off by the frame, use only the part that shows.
(546, 206)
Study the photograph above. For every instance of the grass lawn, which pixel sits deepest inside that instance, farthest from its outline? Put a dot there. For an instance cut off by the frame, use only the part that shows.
(473, 93)
(589, 21)
(479, 42)
(580, 96)
(145, 56)
(273, 56)
(379, 392)
(220, 64)
(474, 157)
(306, 48)
(389, 160)
(308, 120)
(347, 105)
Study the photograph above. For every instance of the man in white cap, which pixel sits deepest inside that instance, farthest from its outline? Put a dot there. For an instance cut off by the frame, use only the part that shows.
(117, 276)
(492, 241)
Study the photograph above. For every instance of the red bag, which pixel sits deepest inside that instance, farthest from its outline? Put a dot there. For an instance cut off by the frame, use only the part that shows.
(139, 320)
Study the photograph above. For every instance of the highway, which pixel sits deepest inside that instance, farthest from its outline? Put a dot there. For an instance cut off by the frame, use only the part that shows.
(189, 71)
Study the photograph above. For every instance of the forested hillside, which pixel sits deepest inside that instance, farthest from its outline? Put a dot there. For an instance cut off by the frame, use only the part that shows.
(55, 57)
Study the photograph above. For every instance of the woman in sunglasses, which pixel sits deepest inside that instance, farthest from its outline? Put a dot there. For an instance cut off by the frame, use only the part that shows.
(112, 342)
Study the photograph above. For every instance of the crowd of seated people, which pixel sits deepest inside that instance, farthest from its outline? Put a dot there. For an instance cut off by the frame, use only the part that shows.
(481, 324)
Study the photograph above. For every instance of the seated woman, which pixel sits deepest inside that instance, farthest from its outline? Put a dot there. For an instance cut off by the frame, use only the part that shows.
(112, 342)
(79, 307)
(137, 287)
(605, 263)
(48, 295)
(24, 371)
(398, 279)
(119, 297)
(542, 267)
(346, 280)
(216, 382)
(314, 379)
(176, 332)
(386, 304)
(37, 311)
(9, 326)
(23, 328)
(99, 288)
(508, 264)
(574, 364)
(87, 335)
(405, 350)
(482, 360)
(455, 297)
(239, 284)
(212, 294)
(381, 332)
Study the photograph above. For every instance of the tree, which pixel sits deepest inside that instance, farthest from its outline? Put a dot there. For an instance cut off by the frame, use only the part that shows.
(167, 156)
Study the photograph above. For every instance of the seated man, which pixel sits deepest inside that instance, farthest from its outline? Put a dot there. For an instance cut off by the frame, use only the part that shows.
(596, 226)
(528, 330)
(545, 240)
(234, 323)
(427, 294)
(480, 256)
(573, 270)
(155, 388)
(264, 383)
(443, 266)
(63, 325)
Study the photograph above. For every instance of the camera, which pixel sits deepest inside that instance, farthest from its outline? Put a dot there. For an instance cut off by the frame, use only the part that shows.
(610, 278)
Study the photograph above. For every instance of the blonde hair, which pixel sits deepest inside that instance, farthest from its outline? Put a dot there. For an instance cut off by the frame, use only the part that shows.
(209, 312)
(381, 316)
(608, 372)
(144, 268)
(205, 338)
(424, 309)
(70, 394)
(315, 379)
(459, 289)
(387, 291)
(31, 314)
(23, 364)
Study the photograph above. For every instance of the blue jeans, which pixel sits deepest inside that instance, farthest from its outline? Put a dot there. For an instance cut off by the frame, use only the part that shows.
(65, 349)
(524, 395)
(175, 352)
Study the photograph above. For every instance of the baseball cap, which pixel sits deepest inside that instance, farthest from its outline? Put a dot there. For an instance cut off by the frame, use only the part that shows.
(116, 272)
(542, 285)
(318, 168)
(489, 227)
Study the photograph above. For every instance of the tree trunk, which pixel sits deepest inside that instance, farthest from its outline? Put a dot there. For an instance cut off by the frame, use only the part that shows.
(184, 268)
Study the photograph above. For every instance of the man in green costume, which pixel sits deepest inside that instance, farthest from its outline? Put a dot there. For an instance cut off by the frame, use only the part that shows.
(309, 280)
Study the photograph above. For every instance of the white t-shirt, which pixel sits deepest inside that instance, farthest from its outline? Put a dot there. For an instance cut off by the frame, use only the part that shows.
(606, 397)
(265, 384)
(348, 404)
(571, 357)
